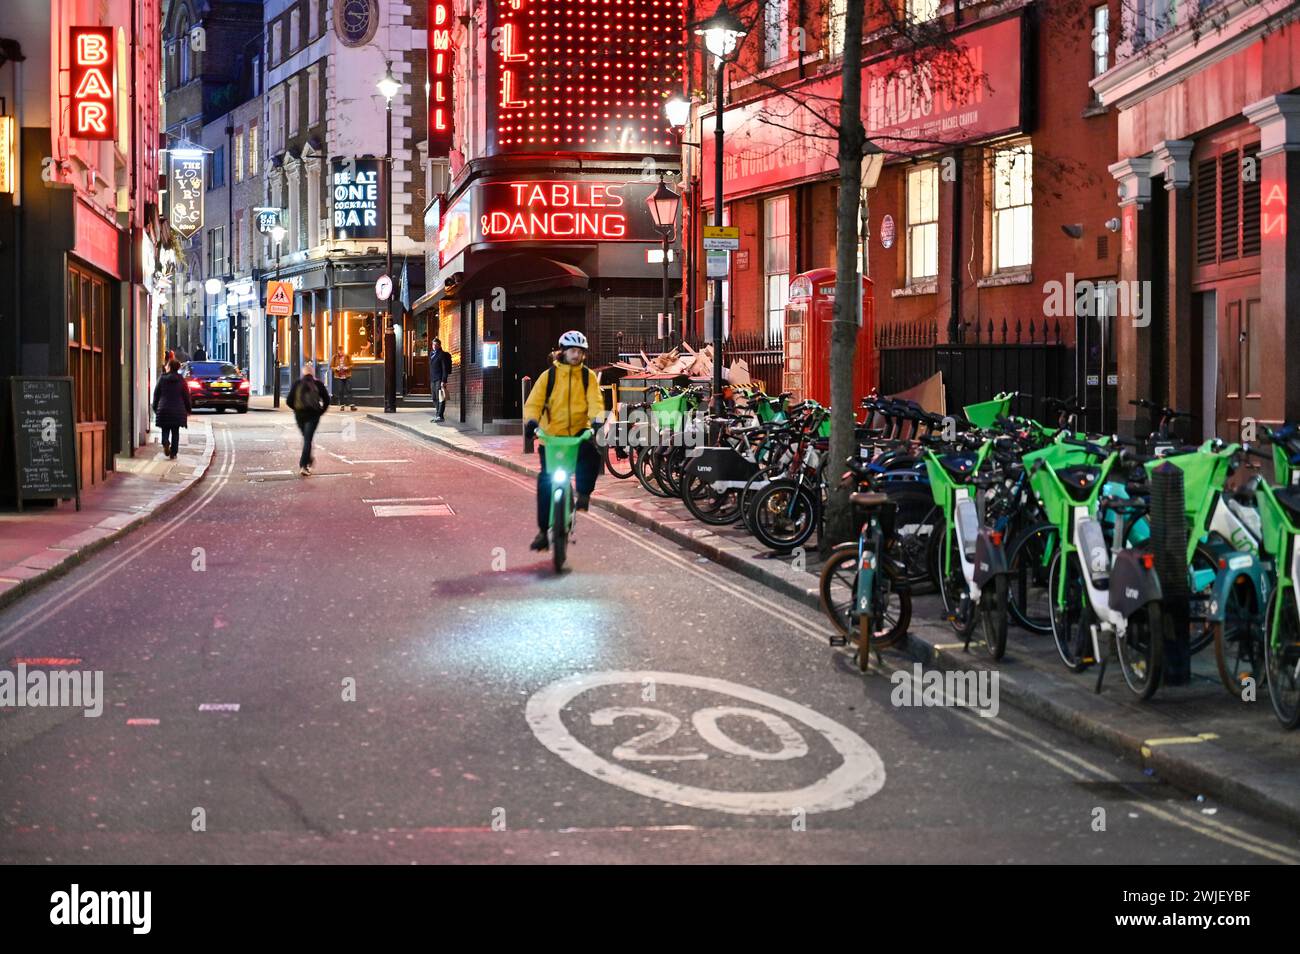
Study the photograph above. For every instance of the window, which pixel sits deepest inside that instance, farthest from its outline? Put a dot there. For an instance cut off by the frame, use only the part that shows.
(295, 30)
(920, 11)
(89, 300)
(277, 120)
(257, 75)
(1226, 203)
(237, 244)
(835, 17)
(184, 44)
(776, 15)
(254, 157)
(237, 160)
(776, 261)
(293, 106)
(277, 41)
(217, 251)
(922, 223)
(313, 96)
(313, 18)
(1100, 40)
(1155, 18)
(217, 168)
(1013, 195)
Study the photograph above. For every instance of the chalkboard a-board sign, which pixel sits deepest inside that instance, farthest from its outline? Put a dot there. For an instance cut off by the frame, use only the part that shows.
(45, 439)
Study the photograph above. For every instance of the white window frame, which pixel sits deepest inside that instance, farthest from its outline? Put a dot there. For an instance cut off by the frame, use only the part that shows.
(237, 157)
(776, 31)
(277, 37)
(922, 218)
(1100, 39)
(922, 11)
(776, 263)
(313, 95)
(277, 120)
(254, 154)
(1011, 206)
(313, 18)
(294, 114)
(295, 30)
(837, 12)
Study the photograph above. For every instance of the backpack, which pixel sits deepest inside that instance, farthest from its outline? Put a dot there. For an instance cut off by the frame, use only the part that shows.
(550, 386)
(309, 401)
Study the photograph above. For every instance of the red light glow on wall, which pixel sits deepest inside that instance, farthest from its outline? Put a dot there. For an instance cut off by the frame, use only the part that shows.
(441, 22)
(92, 83)
(1273, 210)
(584, 75)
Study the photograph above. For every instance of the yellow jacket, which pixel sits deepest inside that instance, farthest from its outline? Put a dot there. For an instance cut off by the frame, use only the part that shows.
(568, 413)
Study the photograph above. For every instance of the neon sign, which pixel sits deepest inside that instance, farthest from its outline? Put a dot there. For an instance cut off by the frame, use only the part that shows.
(563, 211)
(356, 199)
(582, 77)
(91, 82)
(440, 77)
(185, 191)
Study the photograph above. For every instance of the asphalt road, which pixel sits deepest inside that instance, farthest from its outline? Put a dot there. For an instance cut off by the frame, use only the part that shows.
(421, 687)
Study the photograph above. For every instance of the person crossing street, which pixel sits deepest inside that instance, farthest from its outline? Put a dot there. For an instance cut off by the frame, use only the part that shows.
(309, 400)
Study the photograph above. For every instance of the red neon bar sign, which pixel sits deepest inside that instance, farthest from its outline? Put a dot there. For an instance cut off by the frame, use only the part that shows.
(440, 77)
(92, 83)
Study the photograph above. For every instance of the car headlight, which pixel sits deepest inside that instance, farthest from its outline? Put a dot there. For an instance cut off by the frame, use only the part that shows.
(559, 477)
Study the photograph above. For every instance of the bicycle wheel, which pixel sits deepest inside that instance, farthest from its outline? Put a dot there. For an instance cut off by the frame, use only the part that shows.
(1201, 631)
(1028, 594)
(1071, 620)
(918, 520)
(838, 586)
(618, 460)
(644, 468)
(893, 612)
(784, 515)
(670, 468)
(993, 616)
(1141, 650)
(1282, 656)
(716, 508)
(1239, 640)
(957, 608)
(559, 529)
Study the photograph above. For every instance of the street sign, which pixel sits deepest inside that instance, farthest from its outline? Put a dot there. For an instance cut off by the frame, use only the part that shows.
(279, 299)
(383, 287)
(887, 231)
(717, 263)
(722, 237)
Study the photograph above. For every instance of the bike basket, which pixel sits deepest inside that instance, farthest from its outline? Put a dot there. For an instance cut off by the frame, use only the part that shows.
(670, 412)
(768, 410)
(1275, 521)
(986, 413)
(1049, 489)
(713, 464)
(824, 429)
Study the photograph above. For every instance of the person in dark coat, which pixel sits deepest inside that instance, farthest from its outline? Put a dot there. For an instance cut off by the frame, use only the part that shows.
(199, 354)
(171, 407)
(439, 372)
(309, 400)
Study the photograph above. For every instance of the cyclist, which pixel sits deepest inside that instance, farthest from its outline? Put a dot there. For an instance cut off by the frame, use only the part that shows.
(566, 401)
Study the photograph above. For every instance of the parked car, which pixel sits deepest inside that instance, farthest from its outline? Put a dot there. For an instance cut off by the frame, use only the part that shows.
(216, 384)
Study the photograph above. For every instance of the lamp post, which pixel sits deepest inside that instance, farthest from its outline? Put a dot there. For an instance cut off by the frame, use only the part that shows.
(678, 111)
(211, 288)
(663, 203)
(277, 236)
(723, 33)
(389, 87)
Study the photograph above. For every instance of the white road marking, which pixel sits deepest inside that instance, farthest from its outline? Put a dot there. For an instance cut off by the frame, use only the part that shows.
(375, 500)
(858, 777)
(412, 510)
(219, 707)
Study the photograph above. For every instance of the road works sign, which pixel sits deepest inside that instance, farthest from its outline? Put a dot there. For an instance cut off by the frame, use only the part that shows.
(279, 299)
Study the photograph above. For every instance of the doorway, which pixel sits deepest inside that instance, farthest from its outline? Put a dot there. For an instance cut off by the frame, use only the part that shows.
(529, 335)
(1241, 343)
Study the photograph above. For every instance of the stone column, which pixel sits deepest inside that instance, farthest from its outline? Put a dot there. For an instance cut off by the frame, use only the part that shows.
(1174, 156)
(1278, 119)
(1133, 344)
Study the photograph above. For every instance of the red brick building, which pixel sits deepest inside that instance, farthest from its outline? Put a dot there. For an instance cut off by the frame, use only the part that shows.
(995, 193)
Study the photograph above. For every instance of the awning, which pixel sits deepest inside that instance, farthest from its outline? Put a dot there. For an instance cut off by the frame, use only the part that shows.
(524, 273)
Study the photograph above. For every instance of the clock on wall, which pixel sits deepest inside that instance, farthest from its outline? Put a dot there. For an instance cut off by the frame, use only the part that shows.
(355, 21)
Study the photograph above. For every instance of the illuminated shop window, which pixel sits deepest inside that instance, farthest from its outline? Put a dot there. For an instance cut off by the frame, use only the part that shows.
(359, 329)
(1013, 197)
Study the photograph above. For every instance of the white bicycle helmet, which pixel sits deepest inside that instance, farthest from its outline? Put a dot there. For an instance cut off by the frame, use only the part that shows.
(573, 339)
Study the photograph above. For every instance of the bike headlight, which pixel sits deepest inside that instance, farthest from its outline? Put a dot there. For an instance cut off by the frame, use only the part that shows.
(559, 477)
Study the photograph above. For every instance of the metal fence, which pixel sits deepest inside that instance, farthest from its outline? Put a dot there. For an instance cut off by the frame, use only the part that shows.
(760, 352)
(988, 357)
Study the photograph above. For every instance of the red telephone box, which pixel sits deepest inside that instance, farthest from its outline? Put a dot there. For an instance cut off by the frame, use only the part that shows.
(807, 341)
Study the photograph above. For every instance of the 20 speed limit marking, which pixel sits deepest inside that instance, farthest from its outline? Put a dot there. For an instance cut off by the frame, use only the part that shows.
(859, 776)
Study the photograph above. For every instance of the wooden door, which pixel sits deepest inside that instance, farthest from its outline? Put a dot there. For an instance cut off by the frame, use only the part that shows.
(1242, 347)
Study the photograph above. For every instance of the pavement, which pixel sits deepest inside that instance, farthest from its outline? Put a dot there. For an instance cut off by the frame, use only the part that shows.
(44, 541)
(1196, 737)
(369, 665)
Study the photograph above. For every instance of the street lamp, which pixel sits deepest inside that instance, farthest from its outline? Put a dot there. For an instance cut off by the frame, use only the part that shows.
(389, 87)
(210, 289)
(278, 233)
(663, 203)
(723, 33)
(678, 111)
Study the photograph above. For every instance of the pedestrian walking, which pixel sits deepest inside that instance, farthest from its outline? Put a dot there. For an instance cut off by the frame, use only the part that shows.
(439, 373)
(309, 400)
(171, 407)
(199, 354)
(342, 369)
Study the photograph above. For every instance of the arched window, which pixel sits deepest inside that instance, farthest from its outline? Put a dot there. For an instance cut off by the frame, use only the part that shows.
(183, 38)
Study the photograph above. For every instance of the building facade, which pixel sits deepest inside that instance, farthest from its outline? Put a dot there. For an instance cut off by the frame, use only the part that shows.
(993, 203)
(79, 217)
(1208, 97)
(546, 138)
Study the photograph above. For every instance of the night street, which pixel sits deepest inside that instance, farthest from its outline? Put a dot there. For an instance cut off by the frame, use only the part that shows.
(454, 654)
